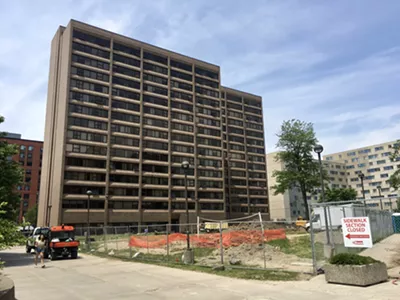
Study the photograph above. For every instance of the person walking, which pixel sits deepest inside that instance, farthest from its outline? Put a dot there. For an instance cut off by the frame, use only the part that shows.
(40, 245)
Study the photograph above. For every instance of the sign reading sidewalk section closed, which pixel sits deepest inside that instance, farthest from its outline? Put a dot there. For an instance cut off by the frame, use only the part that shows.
(357, 232)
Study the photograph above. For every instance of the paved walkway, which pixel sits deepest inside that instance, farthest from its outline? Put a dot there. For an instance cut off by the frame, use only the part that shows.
(97, 278)
(387, 251)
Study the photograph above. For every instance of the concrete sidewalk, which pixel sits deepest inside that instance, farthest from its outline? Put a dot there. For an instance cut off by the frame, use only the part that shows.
(97, 278)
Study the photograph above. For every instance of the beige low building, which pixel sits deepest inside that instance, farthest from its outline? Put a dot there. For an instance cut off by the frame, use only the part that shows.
(343, 169)
(289, 206)
(375, 163)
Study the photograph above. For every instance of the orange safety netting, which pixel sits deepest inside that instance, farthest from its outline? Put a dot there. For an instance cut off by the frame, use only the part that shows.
(209, 240)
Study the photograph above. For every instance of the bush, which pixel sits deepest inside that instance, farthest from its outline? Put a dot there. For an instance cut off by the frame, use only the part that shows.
(351, 259)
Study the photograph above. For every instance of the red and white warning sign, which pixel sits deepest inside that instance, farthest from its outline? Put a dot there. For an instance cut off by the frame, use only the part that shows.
(357, 232)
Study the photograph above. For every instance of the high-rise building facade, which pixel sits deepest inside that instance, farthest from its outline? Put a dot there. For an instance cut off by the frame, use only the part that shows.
(123, 115)
(29, 156)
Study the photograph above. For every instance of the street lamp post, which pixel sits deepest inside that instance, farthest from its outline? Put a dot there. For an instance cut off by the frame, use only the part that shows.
(318, 149)
(362, 176)
(380, 195)
(49, 214)
(88, 193)
(188, 257)
(185, 167)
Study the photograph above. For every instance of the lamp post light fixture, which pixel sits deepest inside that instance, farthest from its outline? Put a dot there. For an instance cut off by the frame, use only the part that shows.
(185, 167)
(319, 149)
(380, 195)
(362, 176)
(88, 193)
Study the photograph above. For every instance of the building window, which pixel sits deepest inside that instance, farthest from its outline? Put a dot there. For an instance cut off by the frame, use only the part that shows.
(126, 71)
(150, 67)
(91, 38)
(156, 79)
(155, 89)
(155, 111)
(87, 123)
(180, 65)
(181, 75)
(89, 74)
(155, 122)
(126, 49)
(206, 73)
(90, 50)
(181, 85)
(154, 57)
(126, 60)
(125, 94)
(126, 82)
(181, 95)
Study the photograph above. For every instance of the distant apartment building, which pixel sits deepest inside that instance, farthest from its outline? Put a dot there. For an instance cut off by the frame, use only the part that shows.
(375, 163)
(29, 156)
(123, 115)
(290, 205)
(343, 169)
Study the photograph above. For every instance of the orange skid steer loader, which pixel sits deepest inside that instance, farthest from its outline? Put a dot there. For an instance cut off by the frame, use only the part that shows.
(61, 243)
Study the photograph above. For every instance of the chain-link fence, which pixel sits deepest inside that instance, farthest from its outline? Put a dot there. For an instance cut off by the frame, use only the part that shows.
(328, 236)
(240, 244)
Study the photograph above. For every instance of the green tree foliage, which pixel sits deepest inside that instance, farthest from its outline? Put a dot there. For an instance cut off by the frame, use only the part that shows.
(31, 215)
(10, 177)
(342, 194)
(394, 179)
(297, 140)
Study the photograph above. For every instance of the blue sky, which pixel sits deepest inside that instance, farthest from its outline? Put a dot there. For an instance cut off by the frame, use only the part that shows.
(333, 63)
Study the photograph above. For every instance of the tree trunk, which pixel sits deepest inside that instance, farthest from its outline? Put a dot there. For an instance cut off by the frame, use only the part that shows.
(304, 194)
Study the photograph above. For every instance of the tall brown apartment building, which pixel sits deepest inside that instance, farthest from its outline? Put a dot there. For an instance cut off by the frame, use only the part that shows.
(123, 115)
(29, 156)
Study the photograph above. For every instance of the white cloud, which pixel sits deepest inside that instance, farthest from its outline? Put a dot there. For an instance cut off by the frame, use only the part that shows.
(303, 61)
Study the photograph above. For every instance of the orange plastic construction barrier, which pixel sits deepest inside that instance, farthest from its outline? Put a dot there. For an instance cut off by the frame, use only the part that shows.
(209, 240)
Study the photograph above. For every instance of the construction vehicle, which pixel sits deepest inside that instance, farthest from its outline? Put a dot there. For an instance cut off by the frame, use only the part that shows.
(61, 243)
(300, 222)
(30, 242)
(213, 226)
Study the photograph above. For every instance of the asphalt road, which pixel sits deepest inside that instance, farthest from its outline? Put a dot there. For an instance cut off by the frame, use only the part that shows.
(96, 278)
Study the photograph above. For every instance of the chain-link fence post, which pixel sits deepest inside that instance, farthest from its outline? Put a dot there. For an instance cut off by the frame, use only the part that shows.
(314, 261)
(105, 239)
(116, 237)
(262, 240)
(221, 243)
(147, 239)
(326, 226)
(167, 230)
(331, 230)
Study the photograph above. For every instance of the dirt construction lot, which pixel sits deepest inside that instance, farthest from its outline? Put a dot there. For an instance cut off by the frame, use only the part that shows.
(91, 277)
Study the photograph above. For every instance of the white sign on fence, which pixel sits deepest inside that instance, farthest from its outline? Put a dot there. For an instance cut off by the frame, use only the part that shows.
(357, 232)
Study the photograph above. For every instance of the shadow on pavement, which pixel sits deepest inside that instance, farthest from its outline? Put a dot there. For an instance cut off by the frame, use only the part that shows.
(19, 259)
(16, 259)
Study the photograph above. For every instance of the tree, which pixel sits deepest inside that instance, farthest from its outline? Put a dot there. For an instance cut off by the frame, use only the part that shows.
(394, 179)
(31, 215)
(9, 233)
(297, 140)
(342, 194)
(10, 177)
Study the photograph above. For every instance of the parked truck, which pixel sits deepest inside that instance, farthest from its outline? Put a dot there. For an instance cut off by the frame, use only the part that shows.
(336, 214)
(30, 241)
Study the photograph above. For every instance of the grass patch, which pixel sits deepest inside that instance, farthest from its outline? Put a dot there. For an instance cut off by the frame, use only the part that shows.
(240, 273)
(300, 246)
